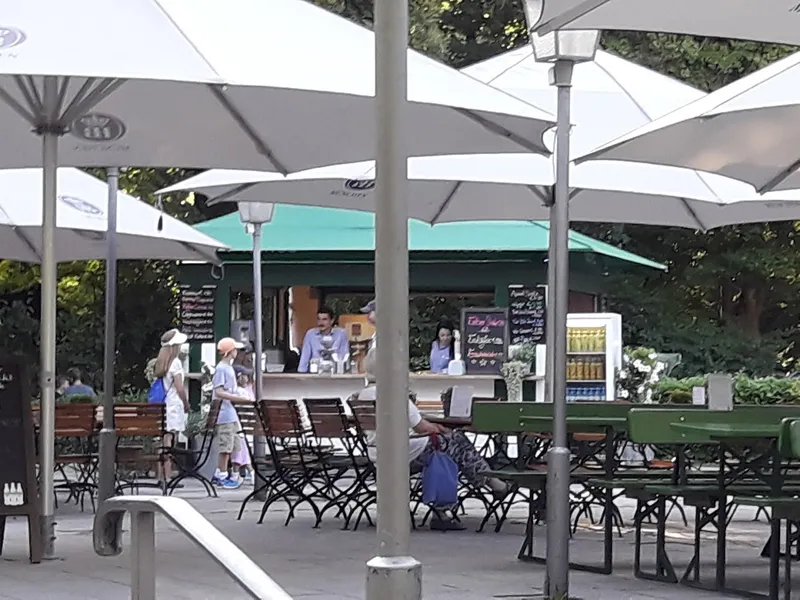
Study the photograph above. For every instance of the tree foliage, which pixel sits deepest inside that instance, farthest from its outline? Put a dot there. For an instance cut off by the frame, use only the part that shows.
(726, 303)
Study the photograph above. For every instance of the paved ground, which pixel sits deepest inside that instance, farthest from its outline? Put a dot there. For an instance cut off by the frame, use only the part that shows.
(329, 563)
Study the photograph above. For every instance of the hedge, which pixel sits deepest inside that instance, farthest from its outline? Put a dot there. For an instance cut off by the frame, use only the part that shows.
(746, 390)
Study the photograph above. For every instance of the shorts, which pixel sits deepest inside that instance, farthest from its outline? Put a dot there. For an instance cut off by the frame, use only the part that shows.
(228, 440)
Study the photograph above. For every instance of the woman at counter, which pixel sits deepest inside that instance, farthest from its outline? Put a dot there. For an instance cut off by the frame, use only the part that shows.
(442, 348)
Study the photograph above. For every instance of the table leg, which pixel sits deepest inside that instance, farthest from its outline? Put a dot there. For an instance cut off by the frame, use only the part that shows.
(722, 522)
(608, 525)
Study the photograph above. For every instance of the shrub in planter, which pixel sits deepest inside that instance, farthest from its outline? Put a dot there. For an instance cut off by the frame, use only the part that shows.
(746, 390)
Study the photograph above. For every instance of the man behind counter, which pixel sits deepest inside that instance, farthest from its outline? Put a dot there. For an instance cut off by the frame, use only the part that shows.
(312, 343)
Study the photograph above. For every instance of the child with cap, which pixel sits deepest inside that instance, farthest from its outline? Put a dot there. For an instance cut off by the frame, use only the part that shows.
(227, 427)
(242, 457)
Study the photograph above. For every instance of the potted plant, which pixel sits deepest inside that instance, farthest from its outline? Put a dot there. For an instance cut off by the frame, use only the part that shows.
(640, 371)
(514, 370)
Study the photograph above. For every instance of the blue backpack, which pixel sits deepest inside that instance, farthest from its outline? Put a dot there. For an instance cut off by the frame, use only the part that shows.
(439, 478)
(157, 393)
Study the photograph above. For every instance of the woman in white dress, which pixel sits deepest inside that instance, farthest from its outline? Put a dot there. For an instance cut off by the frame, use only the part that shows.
(169, 369)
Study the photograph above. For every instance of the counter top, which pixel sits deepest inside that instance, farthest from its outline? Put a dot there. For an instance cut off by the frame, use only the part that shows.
(420, 376)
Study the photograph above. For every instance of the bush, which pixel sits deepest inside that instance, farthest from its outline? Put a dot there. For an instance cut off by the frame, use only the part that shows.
(746, 390)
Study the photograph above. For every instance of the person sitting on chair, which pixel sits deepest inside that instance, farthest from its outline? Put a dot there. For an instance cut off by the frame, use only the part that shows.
(420, 447)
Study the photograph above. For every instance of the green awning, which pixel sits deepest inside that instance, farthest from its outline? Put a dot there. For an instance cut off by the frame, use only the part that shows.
(304, 228)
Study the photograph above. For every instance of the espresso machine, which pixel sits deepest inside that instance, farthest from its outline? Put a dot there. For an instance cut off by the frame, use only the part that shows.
(329, 362)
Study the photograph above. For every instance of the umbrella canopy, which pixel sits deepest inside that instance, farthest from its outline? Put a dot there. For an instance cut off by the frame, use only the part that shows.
(82, 221)
(199, 84)
(747, 130)
(610, 95)
(761, 21)
(514, 187)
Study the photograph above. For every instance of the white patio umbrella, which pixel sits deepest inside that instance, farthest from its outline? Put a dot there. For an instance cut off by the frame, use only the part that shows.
(175, 83)
(82, 222)
(747, 130)
(764, 21)
(610, 95)
(199, 84)
(514, 187)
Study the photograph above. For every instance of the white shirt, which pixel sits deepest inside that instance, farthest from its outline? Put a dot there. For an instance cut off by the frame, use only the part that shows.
(175, 370)
(416, 445)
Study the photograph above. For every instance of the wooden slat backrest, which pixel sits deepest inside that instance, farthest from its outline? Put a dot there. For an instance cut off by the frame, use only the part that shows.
(249, 419)
(364, 412)
(75, 420)
(325, 415)
(280, 417)
(430, 406)
(139, 419)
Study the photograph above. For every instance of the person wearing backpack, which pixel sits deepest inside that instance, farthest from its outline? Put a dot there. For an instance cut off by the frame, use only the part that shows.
(434, 450)
(169, 389)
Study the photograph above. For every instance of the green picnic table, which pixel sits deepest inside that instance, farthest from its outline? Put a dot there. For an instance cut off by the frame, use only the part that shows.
(729, 431)
(753, 443)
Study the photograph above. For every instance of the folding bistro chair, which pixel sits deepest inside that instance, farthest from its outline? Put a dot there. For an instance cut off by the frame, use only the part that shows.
(263, 471)
(140, 427)
(365, 494)
(337, 444)
(292, 459)
(190, 460)
(76, 432)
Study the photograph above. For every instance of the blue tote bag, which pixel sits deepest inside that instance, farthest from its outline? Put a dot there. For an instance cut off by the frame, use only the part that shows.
(439, 478)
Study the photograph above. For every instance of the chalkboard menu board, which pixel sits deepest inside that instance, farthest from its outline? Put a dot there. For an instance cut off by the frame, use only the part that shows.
(197, 312)
(484, 335)
(527, 314)
(17, 467)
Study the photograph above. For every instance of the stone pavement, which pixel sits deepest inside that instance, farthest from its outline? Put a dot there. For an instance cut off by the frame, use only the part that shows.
(328, 563)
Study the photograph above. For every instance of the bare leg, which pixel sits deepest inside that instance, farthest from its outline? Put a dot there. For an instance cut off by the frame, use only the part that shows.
(165, 466)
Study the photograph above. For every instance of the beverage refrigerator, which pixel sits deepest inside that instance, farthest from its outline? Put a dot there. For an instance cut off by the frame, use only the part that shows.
(594, 357)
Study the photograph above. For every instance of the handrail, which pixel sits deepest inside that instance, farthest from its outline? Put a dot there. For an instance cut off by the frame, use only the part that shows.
(107, 536)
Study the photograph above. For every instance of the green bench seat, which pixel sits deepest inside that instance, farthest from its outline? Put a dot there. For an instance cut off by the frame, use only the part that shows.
(783, 507)
(526, 479)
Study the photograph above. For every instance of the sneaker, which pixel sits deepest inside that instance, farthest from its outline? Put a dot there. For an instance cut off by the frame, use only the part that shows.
(217, 480)
(232, 484)
(249, 480)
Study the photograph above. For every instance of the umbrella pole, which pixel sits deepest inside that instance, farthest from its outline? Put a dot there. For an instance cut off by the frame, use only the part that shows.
(558, 458)
(259, 443)
(47, 333)
(108, 435)
(393, 574)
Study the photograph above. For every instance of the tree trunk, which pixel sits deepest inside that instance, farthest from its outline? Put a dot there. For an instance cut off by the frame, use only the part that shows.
(751, 315)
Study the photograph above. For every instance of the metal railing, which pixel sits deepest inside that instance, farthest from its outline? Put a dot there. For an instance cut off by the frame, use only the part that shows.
(143, 509)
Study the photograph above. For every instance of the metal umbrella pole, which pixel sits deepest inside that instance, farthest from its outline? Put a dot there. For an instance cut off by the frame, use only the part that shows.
(108, 435)
(393, 574)
(47, 334)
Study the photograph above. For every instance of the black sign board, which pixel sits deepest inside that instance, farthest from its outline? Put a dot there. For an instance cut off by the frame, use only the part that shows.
(197, 312)
(527, 314)
(484, 336)
(20, 496)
